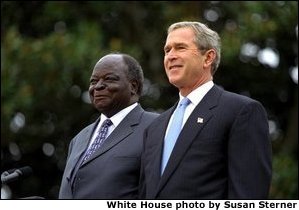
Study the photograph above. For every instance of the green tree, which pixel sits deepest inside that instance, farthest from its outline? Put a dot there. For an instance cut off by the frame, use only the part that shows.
(47, 57)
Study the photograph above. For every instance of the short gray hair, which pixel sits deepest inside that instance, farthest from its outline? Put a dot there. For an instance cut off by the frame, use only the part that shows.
(135, 71)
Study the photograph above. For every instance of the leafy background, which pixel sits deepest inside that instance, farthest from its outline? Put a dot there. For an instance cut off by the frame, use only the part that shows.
(48, 50)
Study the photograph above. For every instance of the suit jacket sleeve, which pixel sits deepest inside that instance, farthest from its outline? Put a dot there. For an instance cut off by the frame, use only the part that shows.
(249, 160)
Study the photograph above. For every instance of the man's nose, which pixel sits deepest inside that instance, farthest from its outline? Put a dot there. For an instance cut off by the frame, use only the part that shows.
(100, 85)
(171, 54)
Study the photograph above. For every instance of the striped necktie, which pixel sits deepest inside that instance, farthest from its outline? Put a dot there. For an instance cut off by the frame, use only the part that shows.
(99, 140)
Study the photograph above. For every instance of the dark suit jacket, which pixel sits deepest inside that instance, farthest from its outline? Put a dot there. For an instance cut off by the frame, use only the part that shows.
(113, 170)
(226, 156)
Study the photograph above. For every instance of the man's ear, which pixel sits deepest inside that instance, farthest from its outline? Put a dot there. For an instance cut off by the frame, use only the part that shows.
(210, 56)
(134, 87)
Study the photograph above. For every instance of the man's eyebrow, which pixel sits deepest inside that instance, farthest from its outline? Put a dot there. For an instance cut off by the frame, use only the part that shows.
(176, 44)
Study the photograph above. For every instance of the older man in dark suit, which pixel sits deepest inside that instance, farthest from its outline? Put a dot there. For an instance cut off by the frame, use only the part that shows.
(214, 145)
(104, 158)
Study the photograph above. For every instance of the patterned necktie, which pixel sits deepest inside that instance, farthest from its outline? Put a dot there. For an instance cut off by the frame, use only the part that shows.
(173, 131)
(99, 140)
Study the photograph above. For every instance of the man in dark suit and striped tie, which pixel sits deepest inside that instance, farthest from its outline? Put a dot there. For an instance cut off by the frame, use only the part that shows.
(104, 158)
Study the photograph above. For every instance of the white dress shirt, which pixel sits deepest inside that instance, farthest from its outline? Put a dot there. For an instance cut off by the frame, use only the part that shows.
(195, 97)
(116, 119)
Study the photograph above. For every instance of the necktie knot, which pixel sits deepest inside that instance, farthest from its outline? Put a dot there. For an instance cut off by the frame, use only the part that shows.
(185, 102)
(107, 123)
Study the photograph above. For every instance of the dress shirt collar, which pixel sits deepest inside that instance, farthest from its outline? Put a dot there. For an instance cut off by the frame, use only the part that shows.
(118, 117)
(196, 95)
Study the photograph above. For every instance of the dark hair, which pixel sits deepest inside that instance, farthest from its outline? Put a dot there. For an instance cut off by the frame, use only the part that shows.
(135, 71)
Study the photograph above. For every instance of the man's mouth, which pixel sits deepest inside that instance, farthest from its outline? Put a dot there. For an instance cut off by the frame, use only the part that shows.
(175, 67)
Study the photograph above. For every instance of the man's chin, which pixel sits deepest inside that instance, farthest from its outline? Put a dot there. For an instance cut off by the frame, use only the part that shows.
(174, 82)
(101, 106)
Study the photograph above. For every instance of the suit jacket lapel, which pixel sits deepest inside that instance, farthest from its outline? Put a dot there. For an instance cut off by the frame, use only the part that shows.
(119, 133)
(80, 147)
(158, 137)
(191, 129)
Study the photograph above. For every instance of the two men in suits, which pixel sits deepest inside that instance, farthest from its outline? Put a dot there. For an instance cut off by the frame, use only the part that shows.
(112, 169)
(223, 150)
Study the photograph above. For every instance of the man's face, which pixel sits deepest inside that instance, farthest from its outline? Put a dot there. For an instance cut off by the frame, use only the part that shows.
(183, 61)
(110, 89)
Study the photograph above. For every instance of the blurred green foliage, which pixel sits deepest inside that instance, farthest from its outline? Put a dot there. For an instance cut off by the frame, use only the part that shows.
(48, 50)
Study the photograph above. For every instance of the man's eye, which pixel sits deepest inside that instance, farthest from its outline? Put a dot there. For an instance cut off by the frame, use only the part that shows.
(181, 48)
(110, 78)
(93, 82)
